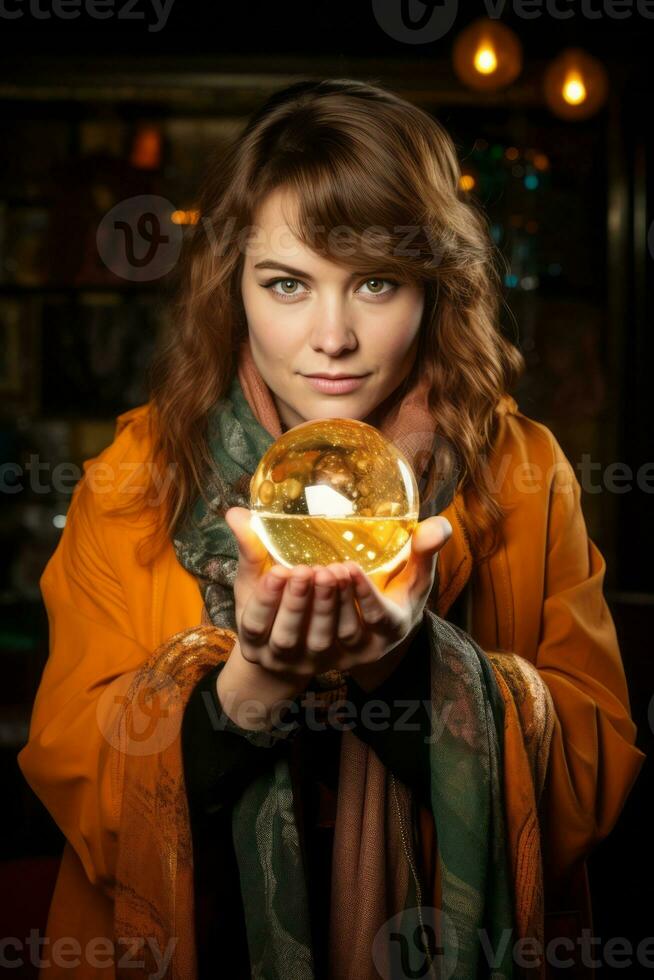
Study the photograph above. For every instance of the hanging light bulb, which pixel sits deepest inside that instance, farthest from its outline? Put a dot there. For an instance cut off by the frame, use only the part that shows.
(574, 91)
(485, 59)
(575, 85)
(487, 55)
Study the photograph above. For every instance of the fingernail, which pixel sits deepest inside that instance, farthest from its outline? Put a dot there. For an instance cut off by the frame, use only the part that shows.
(324, 591)
(275, 582)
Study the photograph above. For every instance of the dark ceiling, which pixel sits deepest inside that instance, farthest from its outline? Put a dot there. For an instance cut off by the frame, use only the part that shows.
(615, 29)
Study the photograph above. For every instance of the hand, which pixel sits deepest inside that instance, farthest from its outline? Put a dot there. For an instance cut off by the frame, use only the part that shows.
(286, 619)
(342, 619)
(392, 604)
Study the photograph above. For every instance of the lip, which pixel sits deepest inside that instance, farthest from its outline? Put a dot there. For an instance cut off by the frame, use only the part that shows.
(334, 384)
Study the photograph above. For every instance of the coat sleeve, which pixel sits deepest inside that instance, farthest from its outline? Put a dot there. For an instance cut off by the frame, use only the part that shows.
(593, 760)
(220, 758)
(92, 647)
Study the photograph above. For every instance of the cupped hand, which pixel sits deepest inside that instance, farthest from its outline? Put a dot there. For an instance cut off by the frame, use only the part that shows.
(310, 619)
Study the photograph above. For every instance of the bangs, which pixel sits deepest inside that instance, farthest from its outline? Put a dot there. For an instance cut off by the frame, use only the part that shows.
(354, 216)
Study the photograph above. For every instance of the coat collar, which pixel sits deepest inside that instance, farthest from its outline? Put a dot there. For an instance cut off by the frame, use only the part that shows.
(455, 561)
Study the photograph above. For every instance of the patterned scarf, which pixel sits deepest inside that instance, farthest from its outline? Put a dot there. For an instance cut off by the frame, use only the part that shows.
(492, 720)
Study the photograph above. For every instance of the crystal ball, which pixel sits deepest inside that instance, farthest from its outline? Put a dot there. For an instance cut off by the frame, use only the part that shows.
(331, 490)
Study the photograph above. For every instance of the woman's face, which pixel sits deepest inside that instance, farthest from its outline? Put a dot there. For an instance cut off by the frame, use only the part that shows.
(308, 315)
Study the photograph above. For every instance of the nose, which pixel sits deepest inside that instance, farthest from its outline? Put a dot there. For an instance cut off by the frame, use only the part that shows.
(332, 330)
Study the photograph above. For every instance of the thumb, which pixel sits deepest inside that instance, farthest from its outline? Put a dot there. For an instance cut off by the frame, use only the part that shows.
(426, 541)
(429, 537)
(253, 554)
(417, 576)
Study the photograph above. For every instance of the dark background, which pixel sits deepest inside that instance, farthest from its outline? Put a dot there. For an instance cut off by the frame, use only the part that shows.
(96, 111)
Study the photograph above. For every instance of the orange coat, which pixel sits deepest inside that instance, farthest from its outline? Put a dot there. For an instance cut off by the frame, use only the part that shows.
(539, 596)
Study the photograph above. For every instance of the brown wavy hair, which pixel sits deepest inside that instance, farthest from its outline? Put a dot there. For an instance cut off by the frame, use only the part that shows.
(385, 173)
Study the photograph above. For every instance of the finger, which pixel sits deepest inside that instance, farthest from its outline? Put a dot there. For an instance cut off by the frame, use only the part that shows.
(373, 607)
(349, 630)
(288, 628)
(322, 622)
(261, 607)
(253, 555)
(417, 576)
(427, 540)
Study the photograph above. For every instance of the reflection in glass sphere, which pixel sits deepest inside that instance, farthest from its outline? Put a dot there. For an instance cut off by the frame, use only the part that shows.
(331, 490)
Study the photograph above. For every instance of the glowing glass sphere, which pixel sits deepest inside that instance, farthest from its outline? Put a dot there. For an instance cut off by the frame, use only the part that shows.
(332, 490)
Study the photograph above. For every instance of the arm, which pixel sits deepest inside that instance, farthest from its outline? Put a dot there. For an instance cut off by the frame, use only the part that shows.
(220, 758)
(253, 697)
(593, 761)
(67, 759)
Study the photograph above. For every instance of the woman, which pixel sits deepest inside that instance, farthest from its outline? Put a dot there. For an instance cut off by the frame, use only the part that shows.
(199, 822)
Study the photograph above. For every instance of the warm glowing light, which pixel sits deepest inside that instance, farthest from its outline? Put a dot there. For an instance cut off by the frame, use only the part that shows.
(487, 55)
(466, 182)
(146, 149)
(332, 489)
(485, 60)
(574, 90)
(512, 153)
(541, 162)
(185, 217)
(575, 85)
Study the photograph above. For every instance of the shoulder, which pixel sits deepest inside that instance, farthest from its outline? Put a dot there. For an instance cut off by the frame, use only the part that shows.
(120, 474)
(528, 453)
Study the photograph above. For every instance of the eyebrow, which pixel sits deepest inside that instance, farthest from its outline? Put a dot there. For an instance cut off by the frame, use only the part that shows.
(271, 264)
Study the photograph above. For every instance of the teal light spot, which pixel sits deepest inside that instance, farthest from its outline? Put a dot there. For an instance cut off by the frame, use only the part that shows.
(511, 280)
(531, 182)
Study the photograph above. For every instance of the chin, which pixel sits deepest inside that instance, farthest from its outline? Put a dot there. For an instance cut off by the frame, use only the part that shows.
(339, 408)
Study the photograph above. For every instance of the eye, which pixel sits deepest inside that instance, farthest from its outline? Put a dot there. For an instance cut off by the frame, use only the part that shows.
(287, 290)
(377, 284)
